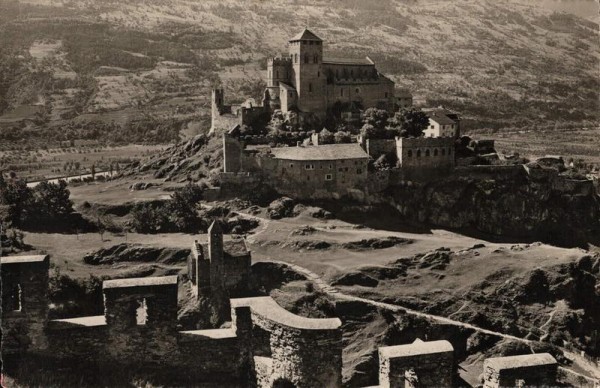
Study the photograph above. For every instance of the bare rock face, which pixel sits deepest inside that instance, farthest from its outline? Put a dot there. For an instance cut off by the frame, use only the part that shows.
(521, 206)
(132, 252)
(356, 279)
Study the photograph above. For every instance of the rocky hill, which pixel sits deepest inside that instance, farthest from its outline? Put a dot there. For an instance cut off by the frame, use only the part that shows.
(142, 71)
(519, 206)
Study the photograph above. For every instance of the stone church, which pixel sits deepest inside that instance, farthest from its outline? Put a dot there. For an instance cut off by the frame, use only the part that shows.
(310, 82)
(306, 82)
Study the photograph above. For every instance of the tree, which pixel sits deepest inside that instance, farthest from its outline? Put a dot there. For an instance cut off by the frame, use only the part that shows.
(49, 202)
(342, 137)
(326, 137)
(376, 117)
(409, 122)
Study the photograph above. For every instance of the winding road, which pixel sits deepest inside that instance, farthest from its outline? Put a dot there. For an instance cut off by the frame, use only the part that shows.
(328, 289)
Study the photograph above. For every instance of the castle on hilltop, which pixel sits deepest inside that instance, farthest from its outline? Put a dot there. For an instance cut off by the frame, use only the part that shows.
(311, 84)
(307, 80)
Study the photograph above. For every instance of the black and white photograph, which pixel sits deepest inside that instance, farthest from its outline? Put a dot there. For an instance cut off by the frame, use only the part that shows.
(300, 193)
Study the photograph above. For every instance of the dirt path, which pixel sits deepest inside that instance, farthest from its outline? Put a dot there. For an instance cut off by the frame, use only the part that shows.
(586, 365)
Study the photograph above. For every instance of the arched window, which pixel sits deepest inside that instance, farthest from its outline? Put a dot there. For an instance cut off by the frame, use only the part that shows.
(435, 152)
(409, 153)
(427, 152)
(310, 87)
(386, 94)
(357, 90)
(295, 58)
(418, 153)
(443, 152)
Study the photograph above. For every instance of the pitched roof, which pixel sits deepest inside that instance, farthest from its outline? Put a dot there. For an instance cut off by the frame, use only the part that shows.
(306, 35)
(346, 61)
(444, 120)
(322, 152)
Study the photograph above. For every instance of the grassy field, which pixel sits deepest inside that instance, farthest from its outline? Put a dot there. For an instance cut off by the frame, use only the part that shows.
(576, 143)
(57, 162)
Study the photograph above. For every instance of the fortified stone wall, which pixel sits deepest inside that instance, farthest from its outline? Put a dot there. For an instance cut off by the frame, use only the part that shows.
(431, 364)
(377, 147)
(24, 302)
(532, 369)
(512, 173)
(305, 352)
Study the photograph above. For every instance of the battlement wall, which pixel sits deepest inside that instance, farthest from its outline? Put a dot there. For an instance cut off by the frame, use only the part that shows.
(429, 363)
(305, 352)
(24, 302)
(539, 370)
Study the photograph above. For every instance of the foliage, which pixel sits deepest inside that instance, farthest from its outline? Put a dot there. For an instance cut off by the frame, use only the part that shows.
(45, 204)
(409, 122)
(178, 214)
(342, 137)
(376, 117)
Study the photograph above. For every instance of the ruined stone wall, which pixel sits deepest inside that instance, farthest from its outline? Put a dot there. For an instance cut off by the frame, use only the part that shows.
(432, 367)
(377, 147)
(129, 340)
(24, 302)
(236, 274)
(232, 154)
(534, 369)
(85, 342)
(303, 351)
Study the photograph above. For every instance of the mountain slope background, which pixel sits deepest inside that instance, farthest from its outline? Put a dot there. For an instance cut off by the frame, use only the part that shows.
(141, 71)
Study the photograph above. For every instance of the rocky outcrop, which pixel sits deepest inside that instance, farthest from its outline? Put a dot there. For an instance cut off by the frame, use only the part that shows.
(137, 253)
(504, 205)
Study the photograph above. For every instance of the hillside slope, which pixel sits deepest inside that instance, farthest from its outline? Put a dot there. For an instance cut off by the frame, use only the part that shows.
(142, 71)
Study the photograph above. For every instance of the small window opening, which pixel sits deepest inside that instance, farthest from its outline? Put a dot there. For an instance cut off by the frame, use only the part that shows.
(12, 299)
(328, 177)
(141, 313)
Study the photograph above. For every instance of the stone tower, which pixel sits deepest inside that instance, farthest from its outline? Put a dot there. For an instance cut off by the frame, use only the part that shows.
(215, 255)
(306, 52)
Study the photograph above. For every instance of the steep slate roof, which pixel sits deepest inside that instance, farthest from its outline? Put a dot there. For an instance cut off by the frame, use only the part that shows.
(346, 61)
(322, 152)
(306, 35)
